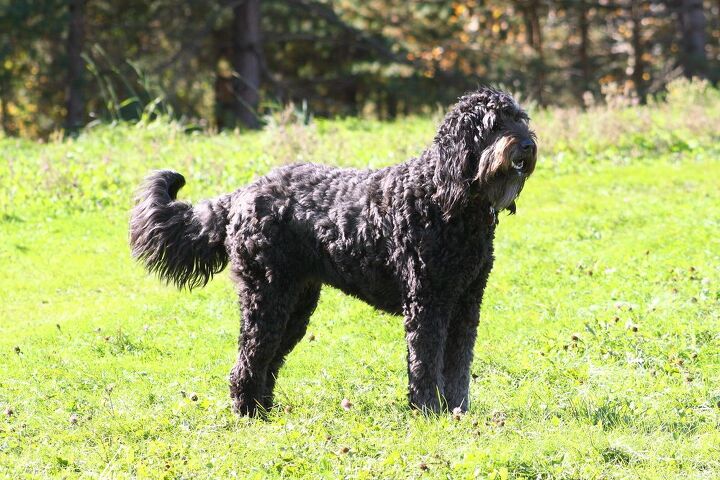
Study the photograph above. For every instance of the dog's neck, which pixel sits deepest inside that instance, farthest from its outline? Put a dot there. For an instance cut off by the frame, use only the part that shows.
(480, 206)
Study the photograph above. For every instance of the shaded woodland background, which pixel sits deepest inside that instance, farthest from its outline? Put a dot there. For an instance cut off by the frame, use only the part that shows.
(235, 63)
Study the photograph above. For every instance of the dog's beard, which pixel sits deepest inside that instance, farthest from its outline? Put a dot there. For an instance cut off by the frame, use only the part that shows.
(504, 191)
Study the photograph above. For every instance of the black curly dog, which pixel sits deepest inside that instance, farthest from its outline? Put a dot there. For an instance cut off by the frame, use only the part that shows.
(414, 239)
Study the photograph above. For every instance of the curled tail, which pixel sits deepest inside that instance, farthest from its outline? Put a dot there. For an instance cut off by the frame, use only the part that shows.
(182, 244)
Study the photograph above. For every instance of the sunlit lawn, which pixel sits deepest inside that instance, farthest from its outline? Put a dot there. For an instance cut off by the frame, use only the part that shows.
(598, 354)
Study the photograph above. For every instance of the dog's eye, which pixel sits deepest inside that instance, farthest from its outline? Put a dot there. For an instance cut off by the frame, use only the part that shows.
(518, 164)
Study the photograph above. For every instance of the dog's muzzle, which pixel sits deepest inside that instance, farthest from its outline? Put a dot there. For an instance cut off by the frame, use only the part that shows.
(520, 165)
(524, 157)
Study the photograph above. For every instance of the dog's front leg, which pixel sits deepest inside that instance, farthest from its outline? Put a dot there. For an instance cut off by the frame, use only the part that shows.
(462, 331)
(425, 332)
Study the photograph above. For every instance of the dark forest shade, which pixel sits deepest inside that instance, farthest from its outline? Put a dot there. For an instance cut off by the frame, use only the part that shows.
(228, 64)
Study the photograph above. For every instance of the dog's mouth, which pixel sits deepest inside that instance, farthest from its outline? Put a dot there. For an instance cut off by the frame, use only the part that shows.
(518, 165)
(522, 158)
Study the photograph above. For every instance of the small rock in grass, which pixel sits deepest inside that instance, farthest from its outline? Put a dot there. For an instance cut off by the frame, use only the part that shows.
(346, 404)
(74, 419)
(194, 397)
(311, 337)
(575, 337)
(457, 413)
(423, 466)
(288, 408)
(344, 450)
(17, 350)
(9, 411)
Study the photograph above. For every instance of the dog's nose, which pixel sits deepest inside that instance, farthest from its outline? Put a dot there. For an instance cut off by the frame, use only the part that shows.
(527, 145)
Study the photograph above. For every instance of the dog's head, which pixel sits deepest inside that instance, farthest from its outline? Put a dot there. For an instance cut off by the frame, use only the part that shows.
(484, 141)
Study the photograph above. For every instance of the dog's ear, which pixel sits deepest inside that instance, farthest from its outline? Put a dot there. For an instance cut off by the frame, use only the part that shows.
(454, 163)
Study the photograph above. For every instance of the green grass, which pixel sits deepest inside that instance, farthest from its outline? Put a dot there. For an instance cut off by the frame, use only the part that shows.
(598, 354)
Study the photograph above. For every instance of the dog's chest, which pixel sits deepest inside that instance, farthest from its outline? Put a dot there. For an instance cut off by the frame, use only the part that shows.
(454, 256)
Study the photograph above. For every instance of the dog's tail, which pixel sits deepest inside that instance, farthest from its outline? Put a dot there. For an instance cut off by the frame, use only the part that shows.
(182, 244)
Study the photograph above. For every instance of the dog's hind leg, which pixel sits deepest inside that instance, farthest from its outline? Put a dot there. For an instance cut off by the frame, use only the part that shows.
(265, 314)
(459, 353)
(294, 332)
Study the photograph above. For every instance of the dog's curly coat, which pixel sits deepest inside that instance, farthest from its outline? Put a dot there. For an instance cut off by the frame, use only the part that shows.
(414, 239)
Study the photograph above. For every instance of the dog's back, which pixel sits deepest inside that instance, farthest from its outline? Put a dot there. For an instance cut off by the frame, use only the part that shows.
(320, 223)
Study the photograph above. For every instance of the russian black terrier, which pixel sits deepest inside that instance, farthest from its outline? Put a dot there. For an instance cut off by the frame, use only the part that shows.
(414, 239)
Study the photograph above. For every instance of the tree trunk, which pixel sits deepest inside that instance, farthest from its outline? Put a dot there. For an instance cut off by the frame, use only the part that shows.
(246, 61)
(351, 98)
(392, 104)
(74, 94)
(535, 39)
(583, 28)
(224, 81)
(692, 28)
(4, 117)
(637, 46)
(5, 96)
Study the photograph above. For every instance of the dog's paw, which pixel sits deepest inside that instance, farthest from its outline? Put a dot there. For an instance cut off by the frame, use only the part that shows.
(248, 408)
(430, 406)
